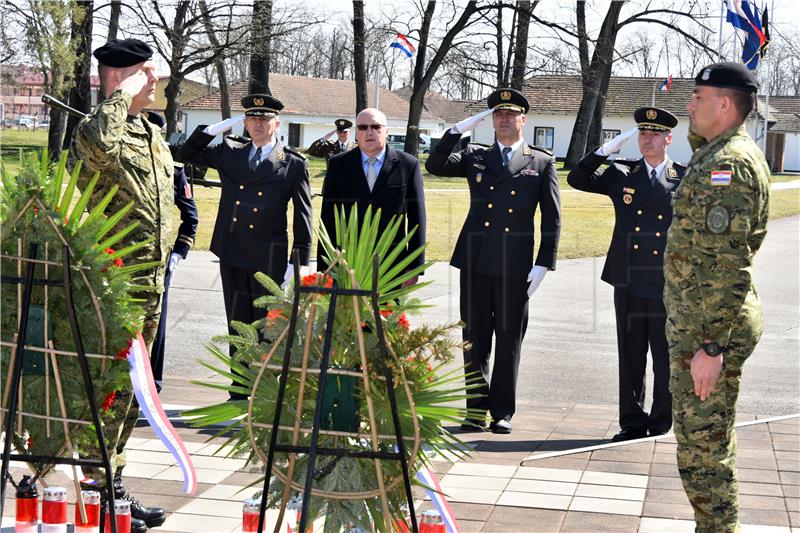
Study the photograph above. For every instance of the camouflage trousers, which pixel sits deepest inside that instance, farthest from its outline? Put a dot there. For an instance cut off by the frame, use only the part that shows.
(125, 408)
(706, 440)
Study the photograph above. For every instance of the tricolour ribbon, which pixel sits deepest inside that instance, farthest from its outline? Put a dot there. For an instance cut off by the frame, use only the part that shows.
(437, 497)
(145, 390)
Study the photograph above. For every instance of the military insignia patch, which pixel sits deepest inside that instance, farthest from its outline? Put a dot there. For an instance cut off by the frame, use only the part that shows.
(479, 166)
(672, 173)
(721, 178)
(187, 191)
(628, 190)
(718, 220)
(478, 177)
(627, 198)
(651, 114)
(505, 95)
(706, 74)
(258, 101)
(280, 156)
(529, 172)
(636, 168)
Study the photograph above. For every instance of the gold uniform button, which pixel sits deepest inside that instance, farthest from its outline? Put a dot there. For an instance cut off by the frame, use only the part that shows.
(235, 219)
(486, 223)
(251, 226)
(491, 187)
(637, 228)
(507, 230)
(658, 234)
(660, 217)
(655, 252)
(255, 210)
(510, 210)
(491, 206)
(241, 187)
(513, 193)
(238, 202)
(635, 246)
(260, 193)
(639, 212)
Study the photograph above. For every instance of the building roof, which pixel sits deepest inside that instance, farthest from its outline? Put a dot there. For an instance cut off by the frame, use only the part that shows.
(785, 110)
(190, 90)
(28, 76)
(449, 110)
(302, 95)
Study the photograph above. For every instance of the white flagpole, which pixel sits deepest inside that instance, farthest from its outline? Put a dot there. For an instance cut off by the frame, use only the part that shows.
(768, 89)
(378, 82)
(721, 20)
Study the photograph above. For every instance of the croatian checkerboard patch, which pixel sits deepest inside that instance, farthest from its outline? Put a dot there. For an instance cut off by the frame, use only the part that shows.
(721, 177)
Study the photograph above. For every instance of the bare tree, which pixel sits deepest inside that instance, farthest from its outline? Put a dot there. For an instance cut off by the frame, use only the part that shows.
(524, 10)
(219, 60)
(360, 67)
(80, 91)
(260, 44)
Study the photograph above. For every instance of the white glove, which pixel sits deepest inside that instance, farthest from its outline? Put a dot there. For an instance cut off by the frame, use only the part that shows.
(328, 135)
(535, 277)
(219, 127)
(616, 143)
(469, 124)
(174, 259)
(289, 274)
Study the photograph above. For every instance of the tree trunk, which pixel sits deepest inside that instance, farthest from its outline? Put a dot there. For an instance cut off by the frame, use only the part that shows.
(80, 95)
(261, 44)
(359, 63)
(171, 93)
(422, 78)
(524, 10)
(498, 28)
(113, 29)
(596, 126)
(219, 63)
(592, 78)
(56, 132)
(176, 76)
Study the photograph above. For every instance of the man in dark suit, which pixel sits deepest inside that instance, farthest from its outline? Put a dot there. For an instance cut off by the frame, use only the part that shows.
(376, 175)
(641, 191)
(324, 147)
(507, 182)
(184, 201)
(259, 177)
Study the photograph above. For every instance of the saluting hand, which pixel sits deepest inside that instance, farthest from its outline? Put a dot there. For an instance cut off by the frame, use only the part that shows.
(469, 124)
(616, 143)
(705, 372)
(134, 83)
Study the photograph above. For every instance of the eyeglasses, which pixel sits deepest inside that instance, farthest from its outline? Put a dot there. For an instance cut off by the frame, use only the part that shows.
(365, 127)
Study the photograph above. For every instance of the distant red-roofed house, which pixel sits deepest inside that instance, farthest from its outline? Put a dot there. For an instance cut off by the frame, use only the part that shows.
(311, 106)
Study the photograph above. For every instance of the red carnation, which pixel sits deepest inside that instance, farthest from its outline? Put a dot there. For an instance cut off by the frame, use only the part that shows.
(403, 322)
(29, 442)
(274, 314)
(108, 401)
(123, 353)
(310, 279)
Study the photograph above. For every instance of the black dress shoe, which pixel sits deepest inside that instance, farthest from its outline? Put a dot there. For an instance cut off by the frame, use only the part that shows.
(656, 432)
(137, 525)
(501, 426)
(473, 424)
(629, 434)
(150, 516)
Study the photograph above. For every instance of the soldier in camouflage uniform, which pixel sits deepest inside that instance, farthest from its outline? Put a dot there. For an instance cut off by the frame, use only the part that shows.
(713, 311)
(129, 152)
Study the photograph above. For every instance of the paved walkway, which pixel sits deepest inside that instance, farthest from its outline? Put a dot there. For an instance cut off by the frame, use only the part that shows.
(633, 487)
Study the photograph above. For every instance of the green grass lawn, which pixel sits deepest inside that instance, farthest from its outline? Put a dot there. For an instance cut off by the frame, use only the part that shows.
(587, 219)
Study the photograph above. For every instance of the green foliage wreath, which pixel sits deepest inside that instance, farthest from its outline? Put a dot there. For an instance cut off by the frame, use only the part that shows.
(40, 205)
(418, 357)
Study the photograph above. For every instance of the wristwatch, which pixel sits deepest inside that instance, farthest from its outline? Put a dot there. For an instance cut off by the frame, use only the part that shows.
(714, 349)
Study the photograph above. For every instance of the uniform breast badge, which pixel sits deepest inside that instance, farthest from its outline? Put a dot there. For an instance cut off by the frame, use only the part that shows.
(478, 177)
(628, 196)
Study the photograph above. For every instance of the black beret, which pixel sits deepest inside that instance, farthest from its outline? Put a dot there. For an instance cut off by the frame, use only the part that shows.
(653, 118)
(727, 76)
(123, 53)
(342, 124)
(261, 105)
(155, 119)
(508, 98)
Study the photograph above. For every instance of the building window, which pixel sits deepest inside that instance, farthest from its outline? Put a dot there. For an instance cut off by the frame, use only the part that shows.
(543, 137)
(607, 135)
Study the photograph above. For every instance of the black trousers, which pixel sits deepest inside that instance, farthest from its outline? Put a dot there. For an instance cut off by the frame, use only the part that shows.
(641, 323)
(157, 355)
(497, 307)
(239, 290)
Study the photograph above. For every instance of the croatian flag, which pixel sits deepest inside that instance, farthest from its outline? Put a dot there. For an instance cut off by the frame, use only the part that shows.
(667, 84)
(744, 16)
(404, 45)
(439, 501)
(150, 405)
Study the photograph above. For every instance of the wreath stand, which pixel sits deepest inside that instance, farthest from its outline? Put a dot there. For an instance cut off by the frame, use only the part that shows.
(14, 386)
(313, 450)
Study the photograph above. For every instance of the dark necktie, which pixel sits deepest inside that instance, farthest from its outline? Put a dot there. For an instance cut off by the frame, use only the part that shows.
(342, 147)
(653, 176)
(372, 172)
(506, 155)
(256, 159)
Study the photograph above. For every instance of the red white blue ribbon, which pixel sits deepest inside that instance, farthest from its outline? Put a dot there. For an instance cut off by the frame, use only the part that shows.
(145, 390)
(425, 475)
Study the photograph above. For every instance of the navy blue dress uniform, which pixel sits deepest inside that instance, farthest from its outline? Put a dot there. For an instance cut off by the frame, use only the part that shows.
(635, 268)
(250, 234)
(495, 251)
(398, 191)
(184, 200)
(331, 147)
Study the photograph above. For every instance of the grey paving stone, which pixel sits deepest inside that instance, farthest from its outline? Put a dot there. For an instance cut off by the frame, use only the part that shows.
(619, 467)
(579, 522)
(762, 517)
(668, 510)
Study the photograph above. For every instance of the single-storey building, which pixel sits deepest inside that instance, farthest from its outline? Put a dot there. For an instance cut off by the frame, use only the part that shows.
(311, 106)
(555, 101)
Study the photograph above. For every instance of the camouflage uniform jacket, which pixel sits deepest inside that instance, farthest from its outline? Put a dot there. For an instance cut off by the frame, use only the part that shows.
(329, 148)
(131, 153)
(719, 221)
